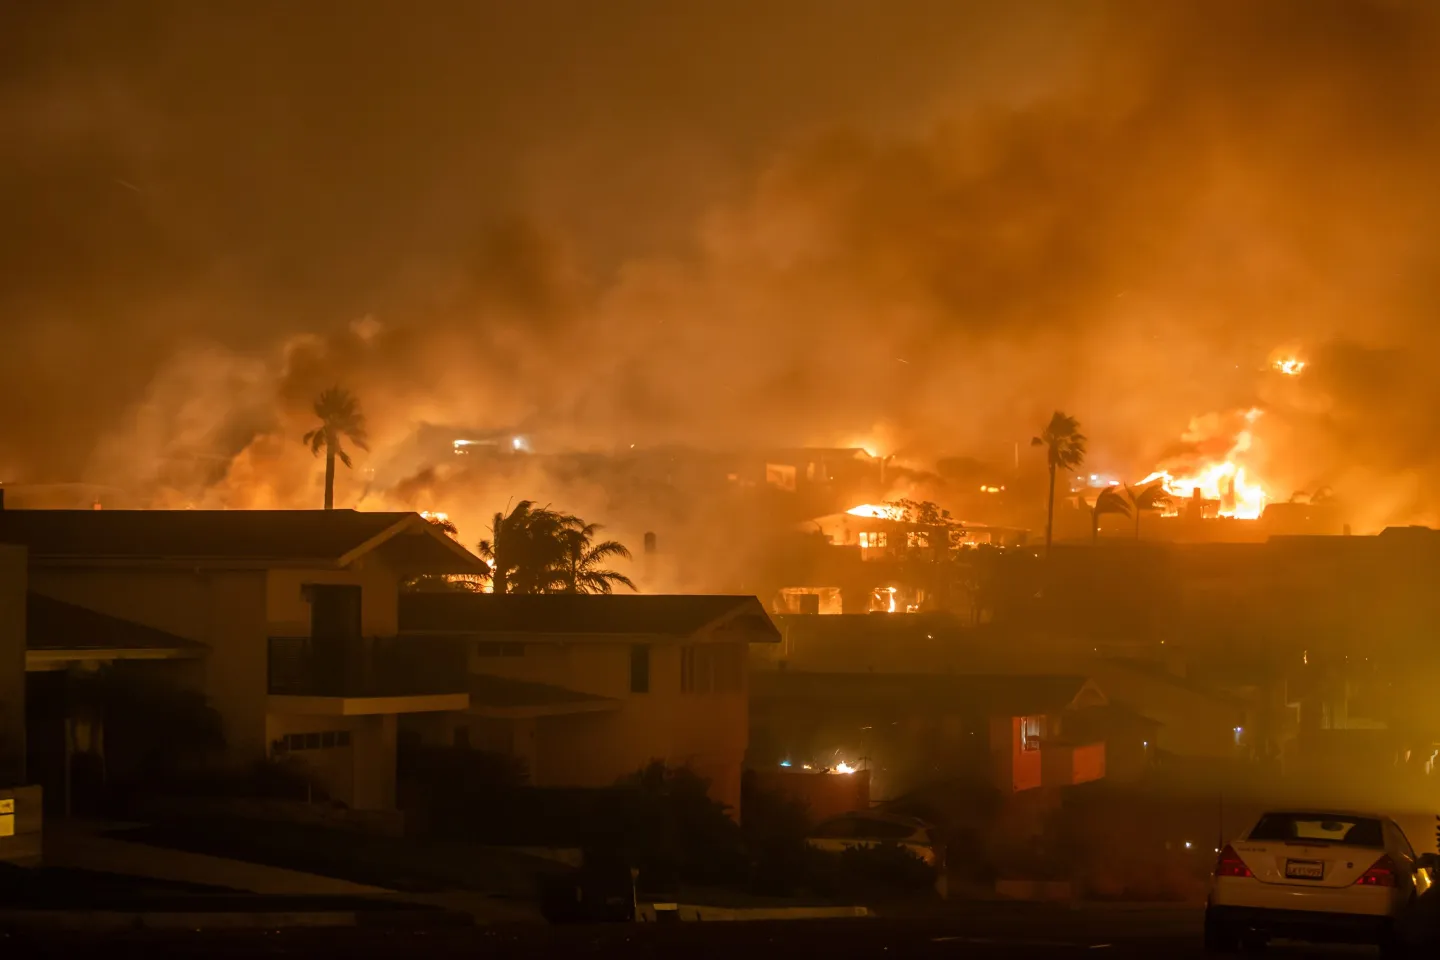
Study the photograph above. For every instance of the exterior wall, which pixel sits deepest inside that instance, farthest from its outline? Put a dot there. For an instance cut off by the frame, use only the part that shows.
(288, 612)
(706, 731)
(225, 610)
(1017, 768)
(1193, 723)
(233, 613)
(333, 767)
(824, 795)
(12, 664)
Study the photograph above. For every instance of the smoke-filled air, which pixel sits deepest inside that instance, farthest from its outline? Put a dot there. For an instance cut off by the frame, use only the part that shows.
(1206, 229)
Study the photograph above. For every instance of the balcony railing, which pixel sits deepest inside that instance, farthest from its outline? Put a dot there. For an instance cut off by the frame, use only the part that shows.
(367, 667)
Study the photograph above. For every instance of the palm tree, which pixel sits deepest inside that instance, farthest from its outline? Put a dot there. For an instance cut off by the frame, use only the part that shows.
(1064, 450)
(340, 416)
(526, 547)
(1109, 501)
(581, 571)
(1152, 497)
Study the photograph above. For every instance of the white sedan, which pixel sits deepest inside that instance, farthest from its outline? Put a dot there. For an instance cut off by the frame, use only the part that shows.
(1320, 875)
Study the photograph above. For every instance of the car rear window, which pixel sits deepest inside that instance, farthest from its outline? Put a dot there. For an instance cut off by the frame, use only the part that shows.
(1320, 828)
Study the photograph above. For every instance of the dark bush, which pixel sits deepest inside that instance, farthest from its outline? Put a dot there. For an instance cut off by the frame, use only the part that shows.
(674, 832)
(873, 872)
(773, 829)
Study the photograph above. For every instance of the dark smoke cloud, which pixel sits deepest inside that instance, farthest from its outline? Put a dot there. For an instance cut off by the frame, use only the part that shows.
(919, 225)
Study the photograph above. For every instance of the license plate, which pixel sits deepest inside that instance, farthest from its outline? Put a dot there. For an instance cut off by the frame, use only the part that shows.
(1305, 869)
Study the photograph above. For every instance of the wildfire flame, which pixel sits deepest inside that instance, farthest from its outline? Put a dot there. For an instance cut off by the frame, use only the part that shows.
(878, 511)
(1290, 367)
(1223, 480)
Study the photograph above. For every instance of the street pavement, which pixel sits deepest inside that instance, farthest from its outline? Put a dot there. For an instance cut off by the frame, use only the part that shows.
(999, 933)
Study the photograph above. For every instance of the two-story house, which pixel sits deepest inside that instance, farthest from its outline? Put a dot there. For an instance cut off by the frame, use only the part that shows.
(287, 620)
(587, 689)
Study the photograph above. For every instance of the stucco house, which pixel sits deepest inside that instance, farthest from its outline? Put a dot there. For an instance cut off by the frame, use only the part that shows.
(287, 620)
(587, 689)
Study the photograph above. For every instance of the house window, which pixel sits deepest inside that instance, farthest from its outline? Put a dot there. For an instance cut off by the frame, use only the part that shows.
(640, 668)
(323, 740)
(1031, 730)
(873, 539)
(917, 539)
(334, 611)
(496, 648)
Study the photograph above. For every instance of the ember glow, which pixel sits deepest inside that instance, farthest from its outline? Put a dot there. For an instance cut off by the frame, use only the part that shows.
(1290, 367)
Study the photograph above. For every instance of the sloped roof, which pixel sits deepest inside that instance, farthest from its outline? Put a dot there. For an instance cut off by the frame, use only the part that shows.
(220, 537)
(650, 615)
(992, 694)
(52, 624)
(500, 694)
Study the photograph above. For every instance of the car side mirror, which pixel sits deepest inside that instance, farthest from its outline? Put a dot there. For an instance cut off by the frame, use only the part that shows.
(1429, 861)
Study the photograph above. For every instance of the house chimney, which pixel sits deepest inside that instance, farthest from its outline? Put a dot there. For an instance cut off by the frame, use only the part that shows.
(2, 498)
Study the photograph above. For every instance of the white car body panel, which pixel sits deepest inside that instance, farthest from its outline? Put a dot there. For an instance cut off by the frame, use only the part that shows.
(1305, 875)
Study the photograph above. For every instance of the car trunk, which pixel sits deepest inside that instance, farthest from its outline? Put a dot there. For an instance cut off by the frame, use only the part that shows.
(1307, 863)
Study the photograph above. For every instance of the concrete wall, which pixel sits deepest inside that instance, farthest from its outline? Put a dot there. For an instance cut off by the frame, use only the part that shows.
(12, 664)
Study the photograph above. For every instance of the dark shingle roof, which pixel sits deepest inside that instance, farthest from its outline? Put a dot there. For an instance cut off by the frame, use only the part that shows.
(204, 536)
(52, 624)
(489, 691)
(580, 614)
(993, 694)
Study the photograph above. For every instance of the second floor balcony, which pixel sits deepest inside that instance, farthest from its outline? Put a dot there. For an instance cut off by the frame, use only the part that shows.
(370, 668)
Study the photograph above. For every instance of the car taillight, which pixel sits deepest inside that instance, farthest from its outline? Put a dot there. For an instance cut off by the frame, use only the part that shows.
(1382, 874)
(1230, 864)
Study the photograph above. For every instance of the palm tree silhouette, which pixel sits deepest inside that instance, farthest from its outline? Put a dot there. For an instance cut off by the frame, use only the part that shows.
(1064, 450)
(581, 571)
(1109, 501)
(340, 416)
(526, 547)
(1152, 497)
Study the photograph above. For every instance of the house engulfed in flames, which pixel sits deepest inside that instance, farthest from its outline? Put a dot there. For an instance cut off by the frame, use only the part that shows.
(1221, 483)
(883, 558)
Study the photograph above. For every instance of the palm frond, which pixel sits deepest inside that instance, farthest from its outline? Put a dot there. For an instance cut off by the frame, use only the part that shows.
(604, 551)
(1064, 442)
(1110, 501)
(1153, 497)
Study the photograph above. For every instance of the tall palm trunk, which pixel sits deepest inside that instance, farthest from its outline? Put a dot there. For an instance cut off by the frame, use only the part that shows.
(330, 474)
(498, 579)
(1050, 512)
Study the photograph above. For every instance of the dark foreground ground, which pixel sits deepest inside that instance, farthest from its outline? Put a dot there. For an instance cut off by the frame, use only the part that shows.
(1007, 933)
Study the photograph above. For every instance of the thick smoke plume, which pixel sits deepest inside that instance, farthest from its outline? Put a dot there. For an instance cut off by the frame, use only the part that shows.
(718, 224)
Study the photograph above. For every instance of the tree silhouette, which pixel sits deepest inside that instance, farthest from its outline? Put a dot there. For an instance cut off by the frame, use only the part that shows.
(1109, 501)
(1064, 450)
(340, 416)
(1152, 497)
(581, 571)
(526, 548)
